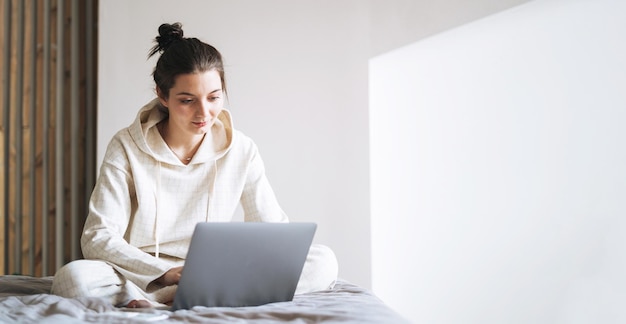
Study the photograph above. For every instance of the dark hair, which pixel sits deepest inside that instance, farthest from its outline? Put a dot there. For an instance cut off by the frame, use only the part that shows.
(180, 55)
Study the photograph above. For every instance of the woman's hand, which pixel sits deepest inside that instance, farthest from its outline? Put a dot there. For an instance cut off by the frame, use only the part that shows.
(171, 277)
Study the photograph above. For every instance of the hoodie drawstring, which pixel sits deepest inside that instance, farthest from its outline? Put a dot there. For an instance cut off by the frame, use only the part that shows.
(211, 191)
(157, 196)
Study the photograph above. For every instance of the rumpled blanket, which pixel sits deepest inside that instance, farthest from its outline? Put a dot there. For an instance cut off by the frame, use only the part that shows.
(26, 299)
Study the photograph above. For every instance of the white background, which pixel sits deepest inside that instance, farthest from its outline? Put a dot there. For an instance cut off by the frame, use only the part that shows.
(506, 130)
(297, 76)
(498, 158)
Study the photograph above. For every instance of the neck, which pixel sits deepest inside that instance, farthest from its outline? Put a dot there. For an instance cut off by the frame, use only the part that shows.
(183, 148)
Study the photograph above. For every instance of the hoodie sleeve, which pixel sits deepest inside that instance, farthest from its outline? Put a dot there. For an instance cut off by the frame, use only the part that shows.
(258, 199)
(110, 215)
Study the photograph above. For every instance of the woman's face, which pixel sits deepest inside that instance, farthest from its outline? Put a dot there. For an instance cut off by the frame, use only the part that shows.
(194, 102)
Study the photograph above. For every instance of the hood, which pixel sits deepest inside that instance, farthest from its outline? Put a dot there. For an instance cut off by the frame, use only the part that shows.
(146, 136)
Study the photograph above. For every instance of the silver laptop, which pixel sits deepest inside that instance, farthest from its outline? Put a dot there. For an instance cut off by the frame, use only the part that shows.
(243, 264)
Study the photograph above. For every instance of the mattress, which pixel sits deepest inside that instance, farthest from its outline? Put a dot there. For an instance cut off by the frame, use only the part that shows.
(27, 299)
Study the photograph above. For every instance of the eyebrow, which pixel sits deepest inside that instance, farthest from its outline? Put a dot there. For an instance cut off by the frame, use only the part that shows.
(191, 94)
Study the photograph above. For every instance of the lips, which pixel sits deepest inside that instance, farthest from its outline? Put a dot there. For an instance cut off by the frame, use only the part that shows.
(200, 124)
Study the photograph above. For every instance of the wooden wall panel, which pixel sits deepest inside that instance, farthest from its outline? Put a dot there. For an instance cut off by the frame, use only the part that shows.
(47, 140)
(51, 132)
(26, 216)
(38, 151)
(3, 94)
(15, 66)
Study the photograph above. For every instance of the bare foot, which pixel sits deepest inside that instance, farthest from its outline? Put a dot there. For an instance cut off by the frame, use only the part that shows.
(139, 303)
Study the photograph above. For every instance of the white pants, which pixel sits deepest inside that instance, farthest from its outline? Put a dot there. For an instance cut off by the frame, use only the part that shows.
(96, 278)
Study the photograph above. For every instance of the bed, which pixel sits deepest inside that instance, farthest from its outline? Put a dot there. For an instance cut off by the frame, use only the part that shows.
(27, 299)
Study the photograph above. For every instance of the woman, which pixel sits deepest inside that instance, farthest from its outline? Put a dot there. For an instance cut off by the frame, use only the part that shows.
(181, 162)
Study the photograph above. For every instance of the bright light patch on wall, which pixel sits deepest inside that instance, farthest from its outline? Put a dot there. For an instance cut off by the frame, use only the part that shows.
(497, 168)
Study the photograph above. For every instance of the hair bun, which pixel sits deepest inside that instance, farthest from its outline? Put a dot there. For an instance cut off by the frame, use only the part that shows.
(168, 34)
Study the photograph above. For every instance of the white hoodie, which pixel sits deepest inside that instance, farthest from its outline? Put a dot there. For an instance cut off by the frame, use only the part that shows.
(146, 203)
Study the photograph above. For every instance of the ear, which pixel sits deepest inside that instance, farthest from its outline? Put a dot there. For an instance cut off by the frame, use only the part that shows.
(162, 98)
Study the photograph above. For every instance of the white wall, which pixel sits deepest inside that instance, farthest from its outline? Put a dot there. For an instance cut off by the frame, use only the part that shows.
(497, 167)
(297, 77)
(395, 23)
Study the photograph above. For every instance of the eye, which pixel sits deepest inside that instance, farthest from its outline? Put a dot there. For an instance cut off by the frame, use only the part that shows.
(212, 99)
(186, 101)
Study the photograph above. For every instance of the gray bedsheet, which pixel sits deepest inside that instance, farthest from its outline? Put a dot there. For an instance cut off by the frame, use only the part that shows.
(26, 299)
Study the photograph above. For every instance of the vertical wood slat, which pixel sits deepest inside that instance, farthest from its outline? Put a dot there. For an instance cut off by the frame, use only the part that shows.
(5, 6)
(46, 137)
(52, 102)
(14, 159)
(90, 55)
(59, 147)
(39, 133)
(25, 149)
(45, 105)
(74, 127)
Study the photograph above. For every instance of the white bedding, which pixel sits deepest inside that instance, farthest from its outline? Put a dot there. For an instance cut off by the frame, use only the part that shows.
(27, 300)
